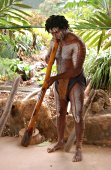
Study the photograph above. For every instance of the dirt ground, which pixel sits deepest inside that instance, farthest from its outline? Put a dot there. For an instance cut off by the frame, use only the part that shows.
(35, 157)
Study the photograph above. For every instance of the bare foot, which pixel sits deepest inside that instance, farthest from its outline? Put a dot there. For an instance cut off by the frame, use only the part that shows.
(56, 147)
(77, 156)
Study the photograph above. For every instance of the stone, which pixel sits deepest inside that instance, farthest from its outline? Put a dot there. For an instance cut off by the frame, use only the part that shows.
(98, 129)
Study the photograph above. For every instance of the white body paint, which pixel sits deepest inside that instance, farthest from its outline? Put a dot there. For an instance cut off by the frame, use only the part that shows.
(66, 52)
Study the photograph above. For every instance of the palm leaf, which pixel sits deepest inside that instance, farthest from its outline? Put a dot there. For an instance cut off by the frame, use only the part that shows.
(22, 12)
(100, 25)
(88, 36)
(10, 12)
(104, 18)
(6, 2)
(3, 22)
(17, 20)
(94, 40)
(22, 5)
(107, 45)
(97, 22)
(100, 40)
(1, 4)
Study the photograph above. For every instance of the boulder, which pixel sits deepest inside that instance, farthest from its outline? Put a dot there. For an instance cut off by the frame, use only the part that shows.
(98, 129)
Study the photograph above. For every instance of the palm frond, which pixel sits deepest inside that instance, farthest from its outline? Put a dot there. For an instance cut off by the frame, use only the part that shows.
(96, 31)
(10, 12)
(107, 45)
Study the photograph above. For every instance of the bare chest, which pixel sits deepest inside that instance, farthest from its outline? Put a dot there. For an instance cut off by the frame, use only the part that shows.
(65, 52)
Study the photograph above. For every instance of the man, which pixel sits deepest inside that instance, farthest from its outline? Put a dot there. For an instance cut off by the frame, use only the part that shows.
(69, 81)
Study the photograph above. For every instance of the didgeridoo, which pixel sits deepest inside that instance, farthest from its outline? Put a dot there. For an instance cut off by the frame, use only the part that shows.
(32, 123)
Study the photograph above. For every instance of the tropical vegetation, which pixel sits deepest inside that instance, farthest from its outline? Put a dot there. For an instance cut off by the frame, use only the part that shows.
(90, 19)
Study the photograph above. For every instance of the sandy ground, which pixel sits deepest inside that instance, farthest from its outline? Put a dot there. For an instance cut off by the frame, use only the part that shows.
(15, 157)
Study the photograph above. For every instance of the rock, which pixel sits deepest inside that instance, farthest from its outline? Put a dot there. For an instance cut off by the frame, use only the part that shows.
(100, 102)
(21, 114)
(98, 129)
(36, 136)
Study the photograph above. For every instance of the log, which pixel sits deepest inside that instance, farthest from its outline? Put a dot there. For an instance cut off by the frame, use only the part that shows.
(30, 95)
(8, 106)
(21, 89)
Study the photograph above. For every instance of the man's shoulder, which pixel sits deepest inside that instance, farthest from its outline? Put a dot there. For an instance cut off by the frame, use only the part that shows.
(71, 38)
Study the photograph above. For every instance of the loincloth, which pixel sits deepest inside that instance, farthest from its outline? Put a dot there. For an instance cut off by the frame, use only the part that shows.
(64, 86)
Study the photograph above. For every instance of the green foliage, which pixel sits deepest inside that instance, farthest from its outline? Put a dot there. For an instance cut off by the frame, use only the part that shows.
(53, 71)
(43, 37)
(21, 43)
(75, 3)
(98, 69)
(21, 68)
(95, 30)
(7, 47)
(11, 13)
(24, 69)
(24, 42)
(9, 68)
(5, 71)
(99, 21)
(41, 76)
(101, 5)
(75, 11)
(13, 64)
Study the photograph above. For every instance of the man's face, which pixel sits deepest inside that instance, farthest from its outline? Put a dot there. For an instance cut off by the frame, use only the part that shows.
(57, 33)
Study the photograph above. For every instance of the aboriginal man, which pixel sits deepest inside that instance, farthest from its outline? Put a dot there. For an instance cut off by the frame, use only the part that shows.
(69, 81)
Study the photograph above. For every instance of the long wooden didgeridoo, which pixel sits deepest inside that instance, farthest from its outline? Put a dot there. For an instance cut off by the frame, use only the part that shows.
(32, 123)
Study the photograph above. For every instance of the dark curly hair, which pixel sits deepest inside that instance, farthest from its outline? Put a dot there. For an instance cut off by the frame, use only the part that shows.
(56, 21)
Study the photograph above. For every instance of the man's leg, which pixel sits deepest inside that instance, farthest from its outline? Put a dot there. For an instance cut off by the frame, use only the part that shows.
(76, 98)
(61, 109)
